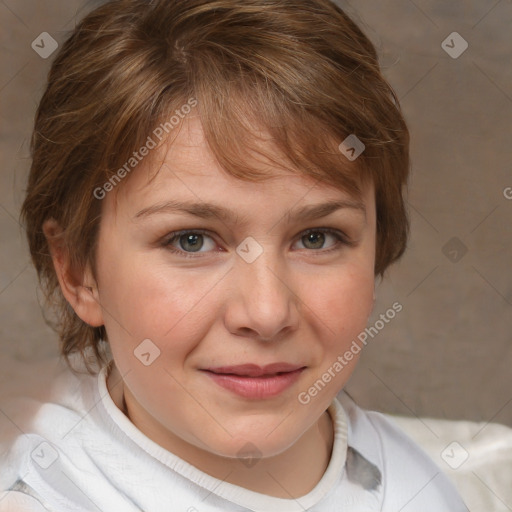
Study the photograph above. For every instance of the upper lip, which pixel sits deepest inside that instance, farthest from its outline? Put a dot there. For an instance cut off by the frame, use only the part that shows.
(253, 370)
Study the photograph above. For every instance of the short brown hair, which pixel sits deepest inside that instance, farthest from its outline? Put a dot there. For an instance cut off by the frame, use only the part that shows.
(301, 69)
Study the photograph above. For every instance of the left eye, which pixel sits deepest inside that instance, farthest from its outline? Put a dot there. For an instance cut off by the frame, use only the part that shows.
(316, 238)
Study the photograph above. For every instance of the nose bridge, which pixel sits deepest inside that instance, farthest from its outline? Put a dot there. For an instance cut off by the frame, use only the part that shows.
(262, 275)
(265, 301)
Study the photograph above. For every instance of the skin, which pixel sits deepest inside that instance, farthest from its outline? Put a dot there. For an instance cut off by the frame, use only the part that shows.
(301, 301)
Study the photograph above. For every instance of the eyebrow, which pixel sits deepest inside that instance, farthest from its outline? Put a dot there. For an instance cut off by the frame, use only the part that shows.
(211, 211)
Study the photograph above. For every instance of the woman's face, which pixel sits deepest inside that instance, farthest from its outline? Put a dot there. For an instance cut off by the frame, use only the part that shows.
(225, 300)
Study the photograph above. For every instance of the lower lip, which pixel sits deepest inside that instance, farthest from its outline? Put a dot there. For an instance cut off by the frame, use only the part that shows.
(256, 388)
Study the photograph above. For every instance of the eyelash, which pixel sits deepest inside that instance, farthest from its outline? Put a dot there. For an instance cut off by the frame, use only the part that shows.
(341, 239)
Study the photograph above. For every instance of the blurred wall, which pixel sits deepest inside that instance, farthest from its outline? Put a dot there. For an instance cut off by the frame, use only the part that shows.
(448, 353)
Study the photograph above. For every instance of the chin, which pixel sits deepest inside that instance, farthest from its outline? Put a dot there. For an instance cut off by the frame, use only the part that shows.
(260, 441)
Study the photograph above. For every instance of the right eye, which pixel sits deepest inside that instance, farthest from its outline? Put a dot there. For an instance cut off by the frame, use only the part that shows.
(188, 242)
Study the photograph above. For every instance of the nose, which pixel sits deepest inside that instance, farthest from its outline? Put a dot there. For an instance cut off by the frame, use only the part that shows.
(262, 303)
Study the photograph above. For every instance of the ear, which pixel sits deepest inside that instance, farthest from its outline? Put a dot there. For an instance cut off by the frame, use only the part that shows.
(78, 287)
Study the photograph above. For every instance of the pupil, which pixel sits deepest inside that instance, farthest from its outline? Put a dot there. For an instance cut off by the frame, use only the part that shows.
(192, 241)
(316, 239)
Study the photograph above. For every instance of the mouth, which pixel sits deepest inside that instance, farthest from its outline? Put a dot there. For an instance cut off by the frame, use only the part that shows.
(253, 370)
(256, 382)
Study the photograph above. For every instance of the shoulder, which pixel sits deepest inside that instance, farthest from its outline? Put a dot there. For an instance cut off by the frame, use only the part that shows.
(42, 428)
(68, 399)
(410, 480)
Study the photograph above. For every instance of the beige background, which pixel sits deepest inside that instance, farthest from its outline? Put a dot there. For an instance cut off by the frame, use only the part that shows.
(448, 354)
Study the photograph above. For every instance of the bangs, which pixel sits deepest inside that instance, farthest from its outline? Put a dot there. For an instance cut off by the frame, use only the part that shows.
(270, 130)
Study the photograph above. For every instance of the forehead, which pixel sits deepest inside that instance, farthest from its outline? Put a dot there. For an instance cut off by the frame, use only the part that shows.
(183, 166)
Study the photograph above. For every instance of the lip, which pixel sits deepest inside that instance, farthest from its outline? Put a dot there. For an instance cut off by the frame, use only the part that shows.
(253, 370)
(256, 382)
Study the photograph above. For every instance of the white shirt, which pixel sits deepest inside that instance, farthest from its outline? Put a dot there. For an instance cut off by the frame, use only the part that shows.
(80, 453)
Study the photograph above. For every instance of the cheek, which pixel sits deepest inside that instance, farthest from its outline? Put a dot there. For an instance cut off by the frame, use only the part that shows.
(342, 302)
(143, 300)
(340, 307)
